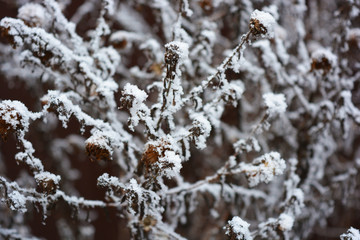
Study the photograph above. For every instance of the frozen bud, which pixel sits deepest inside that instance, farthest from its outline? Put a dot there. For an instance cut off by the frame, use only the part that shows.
(323, 60)
(238, 229)
(47, 182)
(33, 15)
(14, 117)
(262, 24)
(98, 147)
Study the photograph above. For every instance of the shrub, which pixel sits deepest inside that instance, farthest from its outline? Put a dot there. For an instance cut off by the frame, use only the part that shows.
(184, 119)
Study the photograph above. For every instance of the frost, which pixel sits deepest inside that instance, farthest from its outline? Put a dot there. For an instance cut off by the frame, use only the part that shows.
(352, 234)
(47, 176)
(33, 14)
(264, 168)
(133, 98)
(286, 222)
(181, 49)
(170, 164)
(322, 55)
(200, 130)
(239, 229)
(18, 201)
(275, 103)
(262, 23)
(188, 112)
(247, 145)
(15, 115)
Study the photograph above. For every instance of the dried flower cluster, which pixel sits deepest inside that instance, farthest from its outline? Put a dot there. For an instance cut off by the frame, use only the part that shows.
(189, 119)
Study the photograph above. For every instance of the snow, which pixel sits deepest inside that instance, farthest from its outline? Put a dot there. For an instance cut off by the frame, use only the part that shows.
(129, 37)
(33, 14)
(131, 93)
(106, 181)
(18, 201)
(275, 103)
(202, 129)
(47, 176)
(264, 168)
(352, 234)
(180, 48)
(134, 186)
(286, 222)
(273, 10)
(321, 54)
(240, 228)
(170, 164)
(133, 90)
(16, 114)
(247, 145)
(266, 20)
(187, 9)
(349, 107)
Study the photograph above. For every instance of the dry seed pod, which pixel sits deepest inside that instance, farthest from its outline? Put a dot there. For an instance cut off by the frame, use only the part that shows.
(47, 182)
(98, 148)
(323, 60)
(262, 24)
(13, 117)
(153, 152)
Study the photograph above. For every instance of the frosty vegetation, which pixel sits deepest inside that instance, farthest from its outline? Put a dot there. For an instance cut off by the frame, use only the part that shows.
(204, 119)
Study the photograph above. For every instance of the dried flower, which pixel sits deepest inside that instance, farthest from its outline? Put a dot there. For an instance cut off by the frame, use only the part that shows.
(323, 60)
(14, 117)
(47, 182)
(262, 24)
(98, 147)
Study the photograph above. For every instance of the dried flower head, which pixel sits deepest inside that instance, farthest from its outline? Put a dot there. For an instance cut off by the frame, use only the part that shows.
(262, 24)
(154, 151)
(98, 147)
(47, 182)
(323, 60)
(160, 158)
(13, 117)
(175, 52)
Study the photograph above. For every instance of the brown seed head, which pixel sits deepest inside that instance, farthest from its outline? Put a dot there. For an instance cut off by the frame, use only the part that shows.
(5, 126)
(96, 148)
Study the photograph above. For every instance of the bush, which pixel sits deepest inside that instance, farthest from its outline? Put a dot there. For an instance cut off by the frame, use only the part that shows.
(182, 119)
